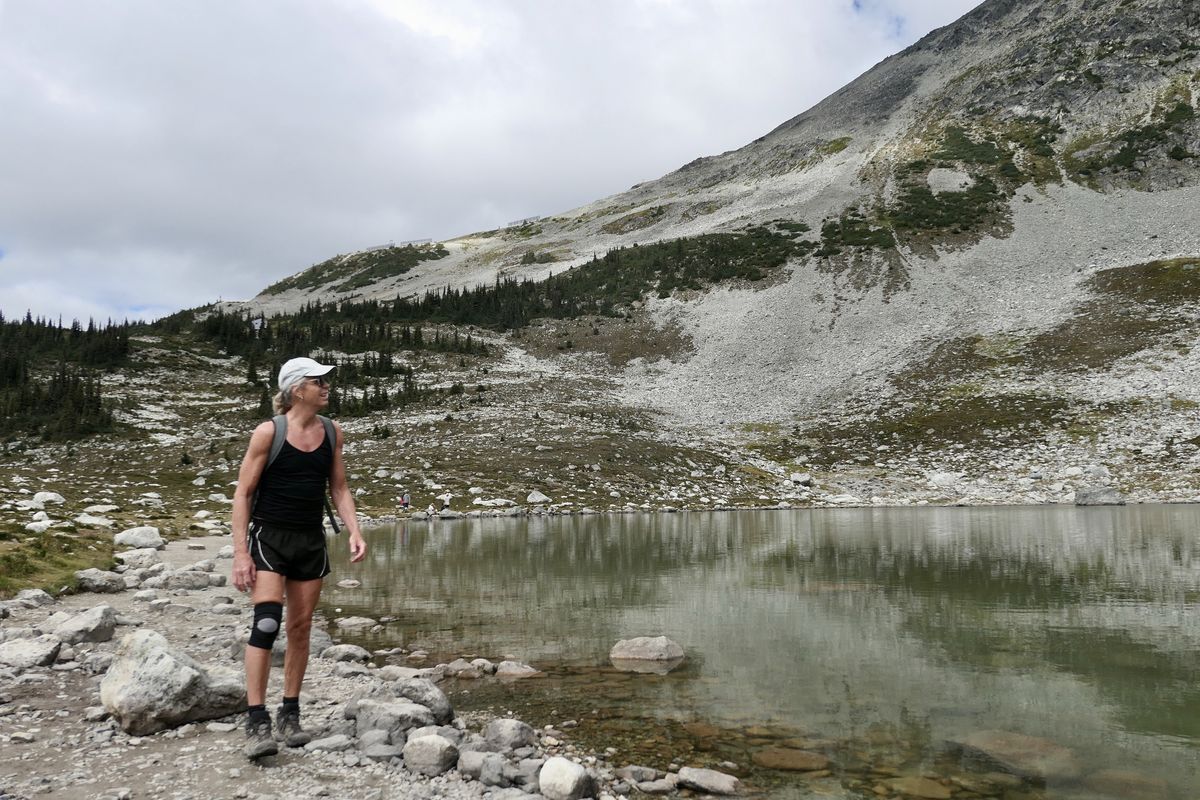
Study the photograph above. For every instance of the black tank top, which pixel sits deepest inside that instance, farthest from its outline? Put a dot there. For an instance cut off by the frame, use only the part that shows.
(291, 492)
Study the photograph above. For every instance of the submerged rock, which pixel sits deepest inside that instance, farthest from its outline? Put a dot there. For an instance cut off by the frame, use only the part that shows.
(1022, 755)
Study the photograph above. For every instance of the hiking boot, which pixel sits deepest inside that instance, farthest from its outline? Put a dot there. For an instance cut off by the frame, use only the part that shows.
(288, 728)
(258, 738)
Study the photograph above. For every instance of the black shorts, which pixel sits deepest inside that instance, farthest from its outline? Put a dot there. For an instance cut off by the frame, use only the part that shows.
(296, 555)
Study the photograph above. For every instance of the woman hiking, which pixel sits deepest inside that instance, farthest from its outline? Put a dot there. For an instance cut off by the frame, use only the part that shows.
(279, 548)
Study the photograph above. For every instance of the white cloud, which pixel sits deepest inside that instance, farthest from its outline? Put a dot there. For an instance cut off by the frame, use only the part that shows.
(164, 155)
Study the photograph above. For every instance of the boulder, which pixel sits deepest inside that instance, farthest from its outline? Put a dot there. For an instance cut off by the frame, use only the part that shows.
(330, 744)
(49, 497)
(512, 670)
(917, 786)
(345, 652)
(424, 692)
(1024, 756)
(786, 758)
(41, 526)
(509, 734)
(140, 558)
(94, 625)
(33, 598)
(563, 779)
(429, 755)
(536, 498)
(140, 537)
(151, 686)
(1098, 496)
(351, 623)
(646, 648)
(394, 716)
(23, 654)
(96, 580)
(185, 579)
(471, 762)
(709, 781)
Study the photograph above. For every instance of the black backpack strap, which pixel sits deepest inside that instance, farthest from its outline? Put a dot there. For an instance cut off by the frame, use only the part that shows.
(331, 434)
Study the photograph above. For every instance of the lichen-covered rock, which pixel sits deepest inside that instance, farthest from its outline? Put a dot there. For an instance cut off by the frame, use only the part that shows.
(101, 581)
(23, 654)
(509, 734)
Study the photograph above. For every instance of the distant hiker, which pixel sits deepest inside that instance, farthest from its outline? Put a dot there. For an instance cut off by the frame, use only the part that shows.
(431, 510)
(406, 500)
(279, 548)
(445, 498)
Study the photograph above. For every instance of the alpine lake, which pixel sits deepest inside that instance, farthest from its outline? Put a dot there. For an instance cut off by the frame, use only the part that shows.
(1011, 652)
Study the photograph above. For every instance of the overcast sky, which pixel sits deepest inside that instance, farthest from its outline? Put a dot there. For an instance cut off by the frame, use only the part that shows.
(163, 154)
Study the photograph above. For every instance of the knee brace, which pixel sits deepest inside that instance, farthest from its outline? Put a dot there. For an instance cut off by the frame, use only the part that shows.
(267, 617)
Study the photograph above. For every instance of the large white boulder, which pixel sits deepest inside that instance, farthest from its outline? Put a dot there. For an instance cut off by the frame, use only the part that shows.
(563, 779)
(49, 497)
(151, 686)
(430, 755)
(141, 536)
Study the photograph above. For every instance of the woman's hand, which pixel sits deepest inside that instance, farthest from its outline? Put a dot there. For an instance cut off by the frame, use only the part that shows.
(358, 547)
(243, 571)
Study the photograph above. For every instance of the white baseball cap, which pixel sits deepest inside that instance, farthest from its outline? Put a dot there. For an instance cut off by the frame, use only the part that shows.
(297, 369)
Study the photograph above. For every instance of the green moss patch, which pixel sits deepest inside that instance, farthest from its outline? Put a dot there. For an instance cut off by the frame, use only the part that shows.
(361, 269)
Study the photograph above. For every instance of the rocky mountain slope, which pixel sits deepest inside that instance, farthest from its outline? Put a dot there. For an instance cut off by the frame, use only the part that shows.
(951, 215)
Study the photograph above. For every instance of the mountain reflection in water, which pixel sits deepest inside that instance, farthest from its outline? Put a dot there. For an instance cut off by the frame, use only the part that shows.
(1076, 625)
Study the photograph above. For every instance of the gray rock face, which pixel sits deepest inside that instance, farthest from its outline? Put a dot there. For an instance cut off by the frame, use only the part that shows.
(709, 780)
(1098, 496)
(424, 692)
(430, 755)
(96, 580)
(509, 734)
(563, 779)
(23, 654)
(95, 625)
(142, 536)
(394, 716)
(150, 687)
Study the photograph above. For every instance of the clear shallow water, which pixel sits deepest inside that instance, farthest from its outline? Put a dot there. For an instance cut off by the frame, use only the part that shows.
(883, 632)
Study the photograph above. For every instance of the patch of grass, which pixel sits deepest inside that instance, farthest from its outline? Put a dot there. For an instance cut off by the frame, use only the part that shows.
(49, 560)
(1132, 309)
(835, 146)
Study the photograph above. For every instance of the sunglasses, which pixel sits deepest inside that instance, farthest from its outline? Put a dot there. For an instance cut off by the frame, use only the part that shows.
(322, 382)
